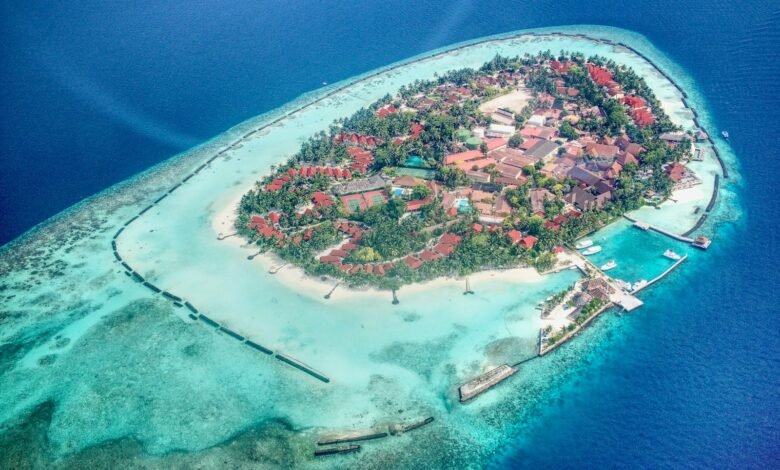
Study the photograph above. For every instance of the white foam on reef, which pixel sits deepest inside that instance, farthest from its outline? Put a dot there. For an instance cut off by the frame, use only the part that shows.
(176, 385)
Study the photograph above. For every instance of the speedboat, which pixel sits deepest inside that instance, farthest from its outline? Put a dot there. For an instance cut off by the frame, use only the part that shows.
(611, 264)
(583, 244)
(725, 134)
(639, 284)
(592, 250)
(671, 255)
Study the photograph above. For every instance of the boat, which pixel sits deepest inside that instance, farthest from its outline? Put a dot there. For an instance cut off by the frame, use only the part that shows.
(638, 285)
(623, 284)
(583, 244)
(671, 255)
(592, 250)
(611, 264)
(725, 134)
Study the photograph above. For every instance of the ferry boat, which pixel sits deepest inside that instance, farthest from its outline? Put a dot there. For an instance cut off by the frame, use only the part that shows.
(671, 255)
(611, 264)
(592, 250)
(583, 244)
(639, 284)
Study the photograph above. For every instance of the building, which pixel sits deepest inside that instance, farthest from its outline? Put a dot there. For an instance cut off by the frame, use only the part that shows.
(585, 200)
(542, 150)
(500, 130)
(538, 196)
(584, 176)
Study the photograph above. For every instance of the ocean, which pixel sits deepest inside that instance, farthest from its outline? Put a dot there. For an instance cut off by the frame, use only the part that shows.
(91, 97)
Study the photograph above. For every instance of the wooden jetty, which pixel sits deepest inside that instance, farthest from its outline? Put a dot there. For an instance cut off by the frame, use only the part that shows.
(485, 381)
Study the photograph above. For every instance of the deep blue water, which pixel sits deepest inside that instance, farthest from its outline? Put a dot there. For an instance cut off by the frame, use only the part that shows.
(94, 92)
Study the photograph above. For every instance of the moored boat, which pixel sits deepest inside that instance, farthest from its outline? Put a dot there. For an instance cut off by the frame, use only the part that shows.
(610, 265)
(583, 244)
(671, 255)
(638, 285)
(592, 250)
(623, 284)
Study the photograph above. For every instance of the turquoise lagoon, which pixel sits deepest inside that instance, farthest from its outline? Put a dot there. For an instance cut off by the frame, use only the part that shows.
(104, 369)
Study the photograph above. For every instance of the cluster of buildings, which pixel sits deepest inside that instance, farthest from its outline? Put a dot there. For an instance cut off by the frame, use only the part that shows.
(585, 163)
(444, 246)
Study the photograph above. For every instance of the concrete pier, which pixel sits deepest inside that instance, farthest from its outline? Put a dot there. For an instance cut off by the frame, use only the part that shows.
(642, 225)
(485, 381)
(662, 275)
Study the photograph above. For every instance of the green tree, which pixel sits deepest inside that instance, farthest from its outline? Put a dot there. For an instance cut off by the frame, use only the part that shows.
(515, 141)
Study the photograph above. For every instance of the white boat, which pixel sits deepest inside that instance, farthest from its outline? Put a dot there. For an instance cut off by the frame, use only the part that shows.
(639, 284)
(583, 244)
(725, 134)
(623, 284)
(592, 250)
(611, 264)
(671, 255)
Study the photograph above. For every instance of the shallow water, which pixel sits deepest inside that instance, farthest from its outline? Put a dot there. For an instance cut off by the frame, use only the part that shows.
(121, 366)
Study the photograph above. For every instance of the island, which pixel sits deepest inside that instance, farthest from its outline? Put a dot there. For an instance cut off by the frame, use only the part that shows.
(490, 168)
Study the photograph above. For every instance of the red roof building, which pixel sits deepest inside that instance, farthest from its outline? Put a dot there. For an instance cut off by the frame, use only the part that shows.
(321, 199)
(444, 249)
(493, 144)
(428, 255)
(477, 228)
(256, 222)
(450, 239)
(528, 242)
(413, 262)
(634, 102)
(642, 117)
(676, 171)
(600, 75)
(386, 110)
(514, 236)
(417, 204)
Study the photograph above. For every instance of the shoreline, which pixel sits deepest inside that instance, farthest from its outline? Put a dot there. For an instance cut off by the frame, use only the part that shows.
(297, 280)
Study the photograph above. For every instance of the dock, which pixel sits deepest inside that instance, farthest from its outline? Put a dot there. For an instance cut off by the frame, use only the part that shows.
(625, 300)
(485, 381)
(662, 275)
(646, 226)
